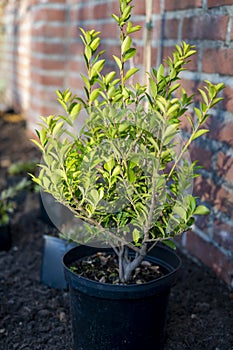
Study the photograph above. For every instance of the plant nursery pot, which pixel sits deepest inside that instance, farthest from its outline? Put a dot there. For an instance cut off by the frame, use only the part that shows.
(120, 317)
(5, 238)
(52, 272)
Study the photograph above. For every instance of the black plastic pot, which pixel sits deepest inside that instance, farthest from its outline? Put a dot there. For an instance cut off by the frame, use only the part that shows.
(5, 238)
(120, 317)
(52, 272)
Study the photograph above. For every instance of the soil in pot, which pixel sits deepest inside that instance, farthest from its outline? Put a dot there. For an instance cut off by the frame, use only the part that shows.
(116, 316)
(103, 267)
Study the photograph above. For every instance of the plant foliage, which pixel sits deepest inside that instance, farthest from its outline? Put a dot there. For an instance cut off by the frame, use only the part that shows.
(126, 173)
(7, 200)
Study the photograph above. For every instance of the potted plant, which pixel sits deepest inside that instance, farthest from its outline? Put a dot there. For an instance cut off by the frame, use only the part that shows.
(128, 178)
(8, 204)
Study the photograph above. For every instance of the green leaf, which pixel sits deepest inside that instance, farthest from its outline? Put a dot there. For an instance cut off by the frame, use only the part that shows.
(118, 61)
(198, 113)
(67, 95)
(97, 68)
(75, 111)
(116, 170)
(109, 165)
(109, 77)
(173, 88)
(63, 104)
(180, 211)
(170, 244)
(94, 196)
(130, 29)
(215, 101)
(126, 13)
(172, 109)
(190, 120)
(126, 44)
(57, 128)
(199, 133)
(116, 18)
(94, 44)
(94, 95)
(129, 53)
(153, 87)
(201, 210)
(130, 72)
(38, 144)
(88, 52)
(169, 133)
(204, 96)
(160, 72)
(136, 235)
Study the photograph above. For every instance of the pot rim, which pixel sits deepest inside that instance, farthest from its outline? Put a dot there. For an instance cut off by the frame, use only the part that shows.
(164, 282)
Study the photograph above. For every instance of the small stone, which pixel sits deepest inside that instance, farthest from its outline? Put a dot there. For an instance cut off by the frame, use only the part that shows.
(62, 316)
(103, 279)
(193, 316)
(146, 263)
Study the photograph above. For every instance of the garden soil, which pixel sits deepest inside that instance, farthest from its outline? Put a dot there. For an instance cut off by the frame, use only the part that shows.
(35, 317)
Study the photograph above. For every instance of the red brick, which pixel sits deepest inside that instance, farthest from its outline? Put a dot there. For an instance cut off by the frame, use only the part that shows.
(49, 48)
(156, 31)
(208, 254)
(181, 5)
(75, 82)
(43, 95)
(48, 110)
(224, 202)
(205, 27)
(100, 11)
(35, 2)
(49, 31)
(171, 29)
(202, 156)
(215, 196)
(48, 64)
(223, 234)
(56, 81)
(218, 3)
(140, 7)
(217, 60)
(222, 131)
(76, 49)
(107, 30)
(225, 166)
(50, 15)
(206, 190)
(228, 98)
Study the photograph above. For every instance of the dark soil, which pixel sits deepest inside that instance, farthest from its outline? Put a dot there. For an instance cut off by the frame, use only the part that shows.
(35, 317)
(103, 267)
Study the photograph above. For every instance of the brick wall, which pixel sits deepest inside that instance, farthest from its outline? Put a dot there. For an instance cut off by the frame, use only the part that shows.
(41, 51)
(208, 25)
